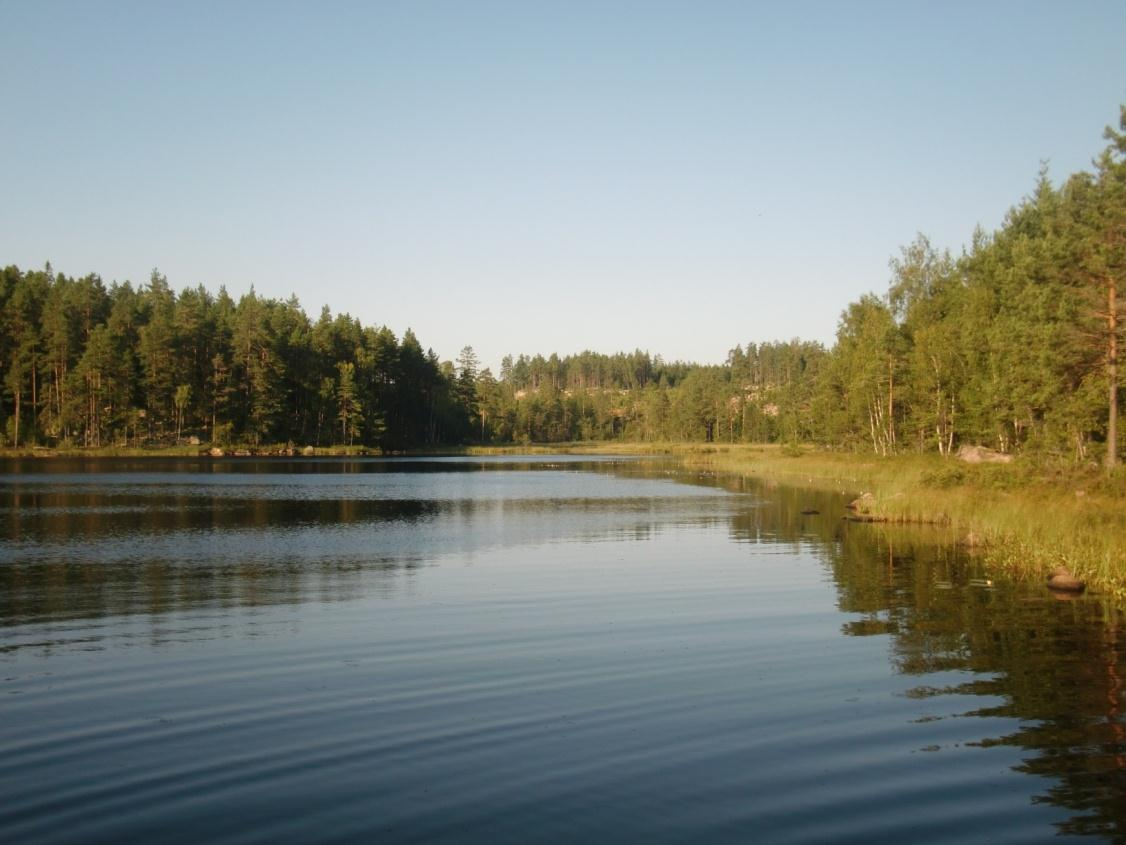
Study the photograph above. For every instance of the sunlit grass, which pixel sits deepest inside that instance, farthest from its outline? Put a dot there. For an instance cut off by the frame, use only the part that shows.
(1024, 517)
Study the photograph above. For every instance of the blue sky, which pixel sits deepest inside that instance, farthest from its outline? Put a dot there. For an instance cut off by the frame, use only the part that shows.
(538, 177)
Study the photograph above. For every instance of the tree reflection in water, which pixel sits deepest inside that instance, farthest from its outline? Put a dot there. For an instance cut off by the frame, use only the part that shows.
(1056, 664)
(1055, 667)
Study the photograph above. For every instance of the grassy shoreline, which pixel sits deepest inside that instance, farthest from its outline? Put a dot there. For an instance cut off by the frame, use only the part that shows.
(1025, 518)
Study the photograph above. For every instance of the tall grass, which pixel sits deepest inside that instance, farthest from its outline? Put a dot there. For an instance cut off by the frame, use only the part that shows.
(1024, 517)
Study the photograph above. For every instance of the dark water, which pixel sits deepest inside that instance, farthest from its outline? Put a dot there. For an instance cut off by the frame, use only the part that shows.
(514, 650)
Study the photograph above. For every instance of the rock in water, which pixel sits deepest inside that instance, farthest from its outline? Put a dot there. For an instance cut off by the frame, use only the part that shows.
(1062, 581)
(861, 504)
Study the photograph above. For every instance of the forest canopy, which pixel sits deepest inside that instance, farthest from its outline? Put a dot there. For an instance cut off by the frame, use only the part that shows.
(1011, 344)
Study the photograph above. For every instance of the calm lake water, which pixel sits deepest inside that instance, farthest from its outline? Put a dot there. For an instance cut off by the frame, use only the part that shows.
(515, 650)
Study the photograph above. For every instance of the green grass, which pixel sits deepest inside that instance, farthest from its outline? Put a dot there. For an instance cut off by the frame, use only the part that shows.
(1024, 517)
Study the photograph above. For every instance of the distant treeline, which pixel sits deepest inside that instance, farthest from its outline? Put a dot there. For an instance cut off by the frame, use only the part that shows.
(1012, 344)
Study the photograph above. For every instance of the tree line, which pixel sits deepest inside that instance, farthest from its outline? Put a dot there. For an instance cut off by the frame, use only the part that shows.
(88, 365)
(1012, 344)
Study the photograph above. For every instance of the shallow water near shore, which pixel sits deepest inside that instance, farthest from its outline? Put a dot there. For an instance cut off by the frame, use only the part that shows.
(507, 649)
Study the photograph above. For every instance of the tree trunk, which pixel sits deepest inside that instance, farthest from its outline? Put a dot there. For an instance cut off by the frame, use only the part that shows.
(58, 371)
(891, 405)
(19, 392)
(872, 428)
(950, 433)
(938, 422)
(1112, 373)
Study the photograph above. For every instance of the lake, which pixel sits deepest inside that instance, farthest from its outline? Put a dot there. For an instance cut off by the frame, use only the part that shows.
(520, 649)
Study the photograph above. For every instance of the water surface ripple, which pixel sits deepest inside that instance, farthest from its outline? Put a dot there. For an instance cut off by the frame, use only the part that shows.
(513, 650)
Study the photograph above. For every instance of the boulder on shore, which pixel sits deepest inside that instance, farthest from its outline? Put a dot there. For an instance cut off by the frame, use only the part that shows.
(861, 504)
(215, 452)
(982, 455)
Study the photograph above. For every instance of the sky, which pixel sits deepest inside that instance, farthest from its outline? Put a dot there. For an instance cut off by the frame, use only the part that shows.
(540, 177)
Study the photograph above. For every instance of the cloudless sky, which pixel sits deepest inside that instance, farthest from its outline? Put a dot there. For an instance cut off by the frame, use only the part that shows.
(539, 177)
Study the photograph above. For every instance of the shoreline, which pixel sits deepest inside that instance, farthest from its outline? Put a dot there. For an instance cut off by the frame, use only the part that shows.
(1026, 518)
